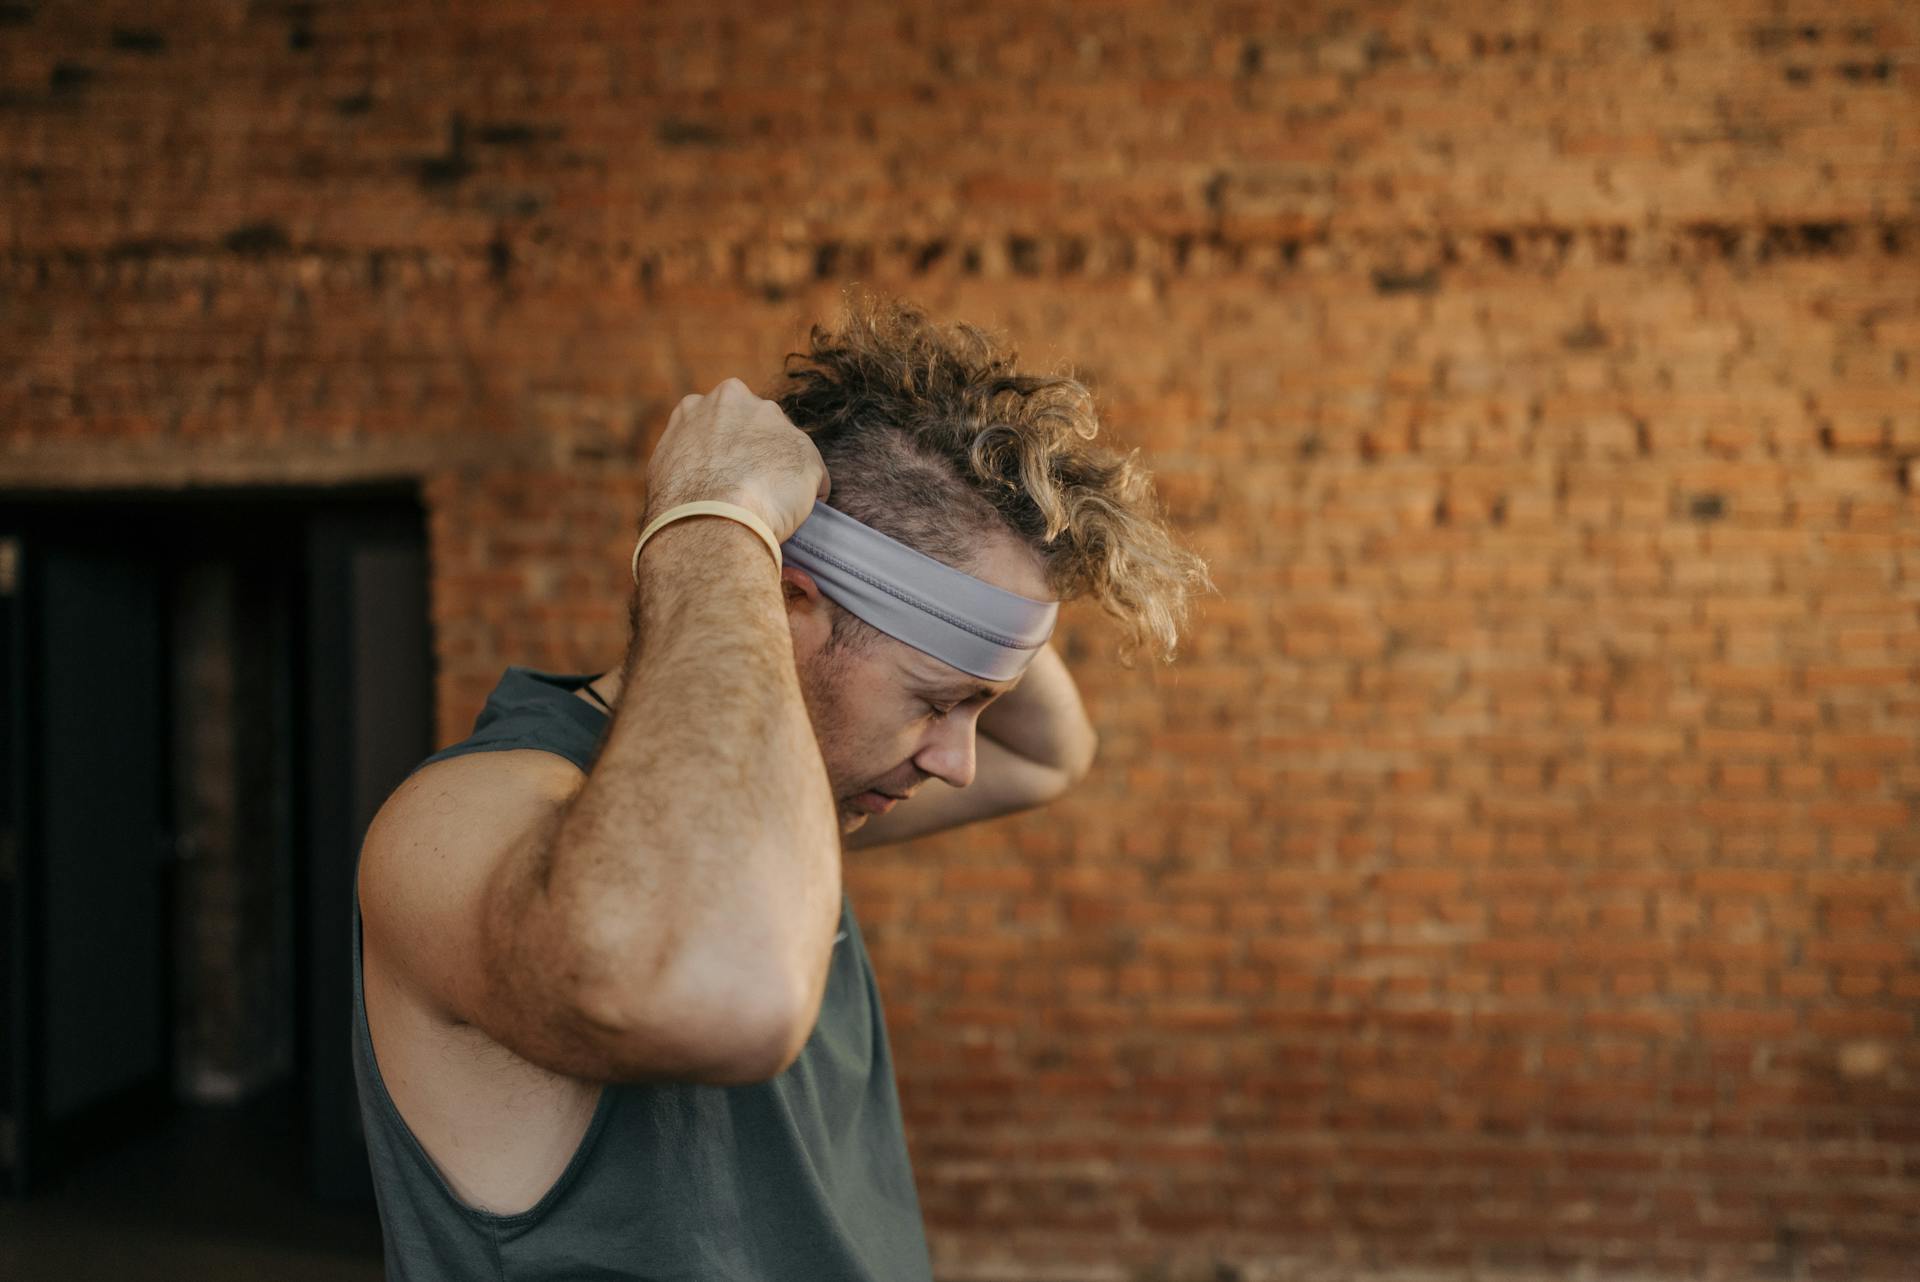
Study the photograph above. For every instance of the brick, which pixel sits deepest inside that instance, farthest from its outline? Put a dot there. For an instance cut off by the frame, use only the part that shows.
(1536, 797)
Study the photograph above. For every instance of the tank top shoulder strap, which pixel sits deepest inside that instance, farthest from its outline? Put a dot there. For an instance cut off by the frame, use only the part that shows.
(529, 708)
(594, 694)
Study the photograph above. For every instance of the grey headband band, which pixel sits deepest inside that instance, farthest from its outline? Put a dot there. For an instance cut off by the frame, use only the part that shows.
(980, 629)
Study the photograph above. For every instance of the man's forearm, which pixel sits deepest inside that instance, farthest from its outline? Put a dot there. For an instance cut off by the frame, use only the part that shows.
(707, 831)
(1042, 718)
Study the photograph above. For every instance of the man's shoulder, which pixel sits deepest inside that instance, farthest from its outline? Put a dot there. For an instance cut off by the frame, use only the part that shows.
(481, 768)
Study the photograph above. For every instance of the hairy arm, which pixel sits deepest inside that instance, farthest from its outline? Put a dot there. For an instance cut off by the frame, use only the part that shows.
(702, 856)
(1034, 743)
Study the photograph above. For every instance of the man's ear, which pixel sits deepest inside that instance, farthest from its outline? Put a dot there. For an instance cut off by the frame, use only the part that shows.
(808, 617)
(795, 584)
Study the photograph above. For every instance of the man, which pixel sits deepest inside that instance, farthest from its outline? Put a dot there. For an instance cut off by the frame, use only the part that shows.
(613, 1013)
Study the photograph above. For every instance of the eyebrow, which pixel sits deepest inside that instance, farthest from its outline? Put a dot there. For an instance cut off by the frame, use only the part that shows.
(964, 689)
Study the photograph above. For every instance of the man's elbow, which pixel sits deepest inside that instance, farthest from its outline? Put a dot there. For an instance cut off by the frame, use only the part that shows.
(1081, 764)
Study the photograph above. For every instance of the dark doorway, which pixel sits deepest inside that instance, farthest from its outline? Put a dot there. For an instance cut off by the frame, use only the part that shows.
(204, 697)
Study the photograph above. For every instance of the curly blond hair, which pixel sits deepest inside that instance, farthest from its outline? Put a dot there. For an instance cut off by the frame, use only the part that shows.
(930, 435)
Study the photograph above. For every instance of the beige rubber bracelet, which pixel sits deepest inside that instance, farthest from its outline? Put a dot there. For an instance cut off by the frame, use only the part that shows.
(708, 507)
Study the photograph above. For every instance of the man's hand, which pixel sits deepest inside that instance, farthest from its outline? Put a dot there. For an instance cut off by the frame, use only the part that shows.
(1034, 743)
(736, 447)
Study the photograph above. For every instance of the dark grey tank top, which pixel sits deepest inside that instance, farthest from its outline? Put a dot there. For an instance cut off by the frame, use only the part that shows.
(804, 1176)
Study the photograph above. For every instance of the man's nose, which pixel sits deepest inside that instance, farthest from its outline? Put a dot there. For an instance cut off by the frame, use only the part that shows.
(950, 756)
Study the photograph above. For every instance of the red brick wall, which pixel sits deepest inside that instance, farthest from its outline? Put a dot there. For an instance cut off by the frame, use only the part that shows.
(1520, 867)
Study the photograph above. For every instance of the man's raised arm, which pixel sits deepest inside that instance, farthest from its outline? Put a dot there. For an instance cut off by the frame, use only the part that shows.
(699, 865)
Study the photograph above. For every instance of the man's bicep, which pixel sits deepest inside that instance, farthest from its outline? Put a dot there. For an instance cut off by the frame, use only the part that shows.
(431, 853)
(451, 899)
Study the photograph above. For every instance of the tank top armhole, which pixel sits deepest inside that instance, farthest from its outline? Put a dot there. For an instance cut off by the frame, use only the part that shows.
(390, 1112)
(583, 717)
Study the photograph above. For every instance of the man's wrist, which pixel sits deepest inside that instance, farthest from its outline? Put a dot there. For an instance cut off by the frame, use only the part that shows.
(700, 535)
(665, 500)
